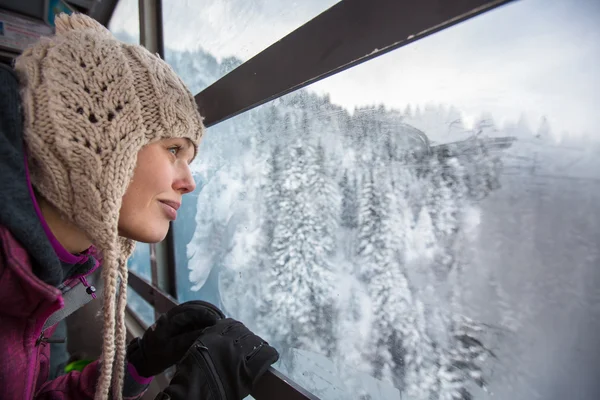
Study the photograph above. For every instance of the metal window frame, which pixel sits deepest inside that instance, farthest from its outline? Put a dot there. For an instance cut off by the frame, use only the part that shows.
(162, 255)
(273, 385)
(349, 33)
(103, 10)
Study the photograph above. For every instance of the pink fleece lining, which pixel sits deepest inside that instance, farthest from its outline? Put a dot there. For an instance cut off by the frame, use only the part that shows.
(62, 253)
(136, 376)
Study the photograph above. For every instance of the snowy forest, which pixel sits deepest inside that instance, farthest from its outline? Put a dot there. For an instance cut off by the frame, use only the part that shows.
(398, 254)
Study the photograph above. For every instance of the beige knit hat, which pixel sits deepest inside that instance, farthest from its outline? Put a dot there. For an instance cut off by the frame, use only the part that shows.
(90, 104)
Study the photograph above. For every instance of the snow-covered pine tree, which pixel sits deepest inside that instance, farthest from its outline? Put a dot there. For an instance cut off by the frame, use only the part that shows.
(449, 184)
(299, 310)
(255, 235)
(444, 190)
(349, 207)
(381, 269)
(373, 259)
(461, 365)
(325, 193)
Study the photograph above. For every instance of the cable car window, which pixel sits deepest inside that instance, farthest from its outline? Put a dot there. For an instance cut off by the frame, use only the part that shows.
(141, 307)
(125, 21)
(424, 225)
(140, 262)
(205, 39)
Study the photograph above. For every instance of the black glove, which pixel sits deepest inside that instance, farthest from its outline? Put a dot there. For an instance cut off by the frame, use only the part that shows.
(168, 340)
(223, 364)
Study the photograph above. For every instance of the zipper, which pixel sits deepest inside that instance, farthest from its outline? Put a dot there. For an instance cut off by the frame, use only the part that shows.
(43, 339)
(32, 368)
(255, 350)
(215, 381)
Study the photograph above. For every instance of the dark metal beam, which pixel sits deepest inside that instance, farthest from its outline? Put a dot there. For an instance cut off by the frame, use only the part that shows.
(272, 386)
(158, 299)
(154, 271)
(349, 33)
(171, 261)
(140, 326)
(151, 26)
(102, 11)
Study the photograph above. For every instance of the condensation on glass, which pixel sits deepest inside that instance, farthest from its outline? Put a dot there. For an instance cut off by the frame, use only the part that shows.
(423, 226)
(205, 39)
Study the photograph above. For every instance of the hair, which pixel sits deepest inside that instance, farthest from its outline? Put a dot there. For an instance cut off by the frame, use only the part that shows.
(90, 103)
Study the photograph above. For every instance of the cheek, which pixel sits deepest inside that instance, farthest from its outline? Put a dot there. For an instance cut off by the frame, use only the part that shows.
(141, 217)
(131, 208)
(142, 221)
(150, 180)
(155, 178)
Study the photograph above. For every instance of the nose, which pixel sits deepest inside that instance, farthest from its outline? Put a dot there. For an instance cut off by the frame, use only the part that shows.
(185, 182)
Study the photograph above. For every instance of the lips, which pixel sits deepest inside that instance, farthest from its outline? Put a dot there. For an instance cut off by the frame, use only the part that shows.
(170, 203)
(170, 208)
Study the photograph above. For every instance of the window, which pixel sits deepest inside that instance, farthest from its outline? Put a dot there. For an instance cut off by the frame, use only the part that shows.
(206, 39)
(141, 307)
(125, 22)
(139, 262)
(423, 225)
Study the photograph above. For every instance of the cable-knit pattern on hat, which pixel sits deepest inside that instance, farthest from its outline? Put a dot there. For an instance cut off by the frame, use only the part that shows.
(90, 104)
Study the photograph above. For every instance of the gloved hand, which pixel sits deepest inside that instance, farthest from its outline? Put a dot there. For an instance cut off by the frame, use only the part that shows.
(168, 340)
(223, 364)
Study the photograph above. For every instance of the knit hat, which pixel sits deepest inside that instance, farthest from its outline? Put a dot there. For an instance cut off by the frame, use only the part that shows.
(90, 104)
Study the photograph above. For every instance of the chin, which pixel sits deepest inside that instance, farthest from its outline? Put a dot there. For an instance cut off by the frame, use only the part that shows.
(147, 235)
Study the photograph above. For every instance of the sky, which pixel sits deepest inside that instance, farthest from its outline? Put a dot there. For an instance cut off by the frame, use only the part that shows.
(529, 58)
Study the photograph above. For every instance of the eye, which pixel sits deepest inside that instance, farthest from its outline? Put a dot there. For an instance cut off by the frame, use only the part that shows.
(174, 149)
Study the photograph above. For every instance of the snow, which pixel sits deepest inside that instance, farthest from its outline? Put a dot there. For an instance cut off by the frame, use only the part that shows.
(401, 255)
(439, 262)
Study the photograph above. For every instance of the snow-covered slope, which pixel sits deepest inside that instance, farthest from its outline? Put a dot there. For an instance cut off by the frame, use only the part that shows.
(400, 252)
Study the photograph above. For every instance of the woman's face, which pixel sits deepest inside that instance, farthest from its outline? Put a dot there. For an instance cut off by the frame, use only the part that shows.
(161, 177)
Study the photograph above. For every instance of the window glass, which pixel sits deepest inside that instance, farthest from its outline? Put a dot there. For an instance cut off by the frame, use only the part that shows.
(139, 262)
(141, 307)
(125, 21)
(205, 39)
(422, 226)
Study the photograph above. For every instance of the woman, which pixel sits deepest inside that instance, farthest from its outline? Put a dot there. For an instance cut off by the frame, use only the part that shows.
(96, 137)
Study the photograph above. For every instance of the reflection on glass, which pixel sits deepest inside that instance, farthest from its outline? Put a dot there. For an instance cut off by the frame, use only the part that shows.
(141, 307)
(139, 262)
(125, 21)
(419, 251)
(205, 39)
